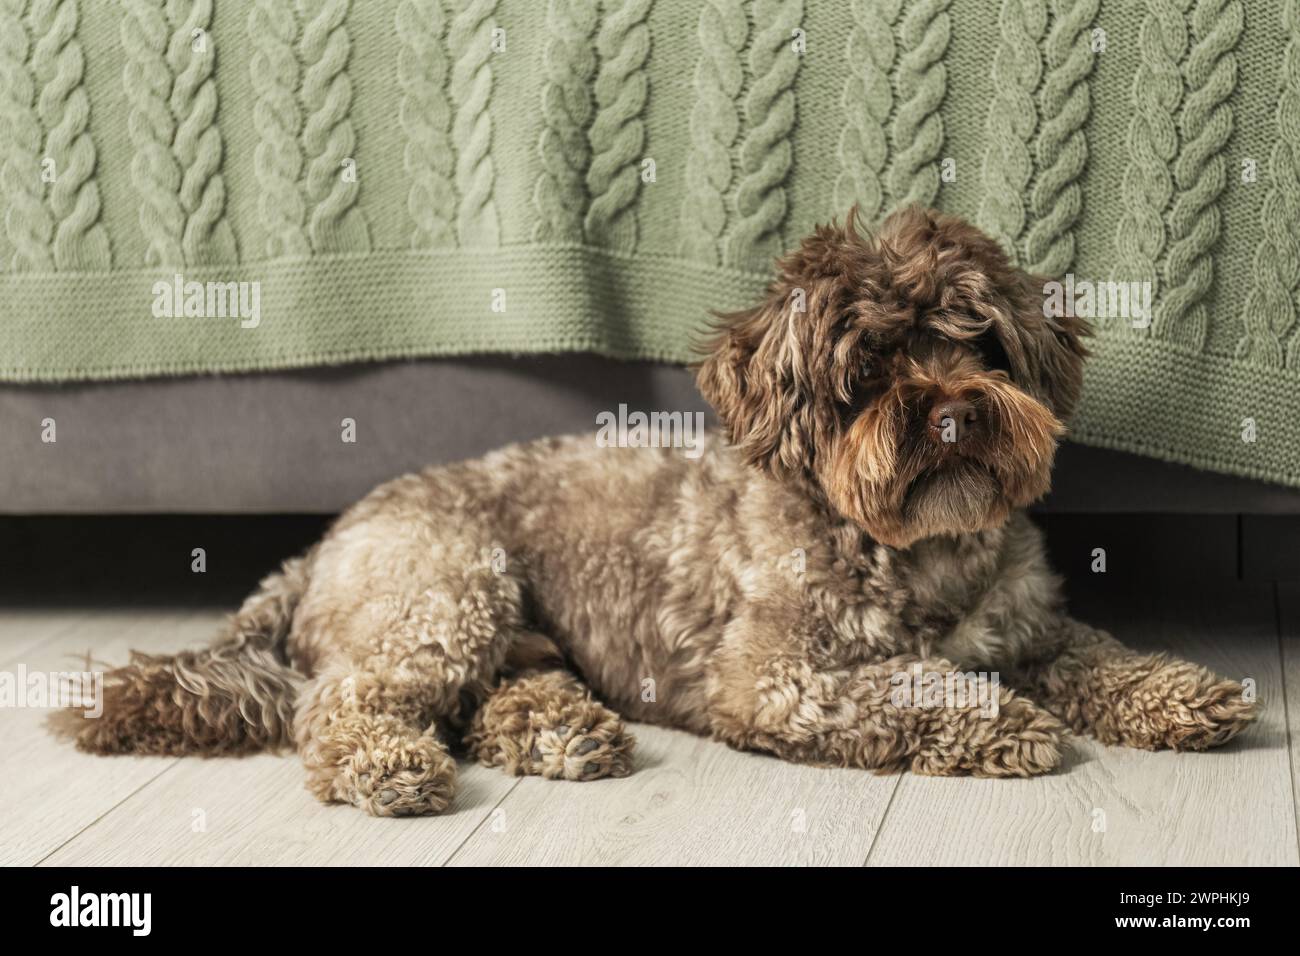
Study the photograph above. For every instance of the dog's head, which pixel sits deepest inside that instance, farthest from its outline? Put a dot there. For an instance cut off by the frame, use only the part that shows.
(912, 377)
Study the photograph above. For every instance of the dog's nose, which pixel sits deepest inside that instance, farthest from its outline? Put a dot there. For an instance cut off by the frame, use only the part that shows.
(953, 419)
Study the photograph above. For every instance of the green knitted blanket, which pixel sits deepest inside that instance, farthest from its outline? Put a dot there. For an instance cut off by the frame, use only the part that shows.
(198, 187)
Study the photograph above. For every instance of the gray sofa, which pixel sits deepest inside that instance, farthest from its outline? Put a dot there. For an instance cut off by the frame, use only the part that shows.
(271, 443)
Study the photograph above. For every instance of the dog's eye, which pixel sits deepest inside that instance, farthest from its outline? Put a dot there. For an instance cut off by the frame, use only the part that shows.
(994, 355)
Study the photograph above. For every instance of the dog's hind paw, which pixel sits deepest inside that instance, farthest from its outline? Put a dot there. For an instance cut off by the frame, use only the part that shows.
(583, 753)
(548, 725)
(413, 779)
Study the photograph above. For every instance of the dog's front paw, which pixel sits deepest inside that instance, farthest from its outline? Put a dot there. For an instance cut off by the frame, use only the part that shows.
(1020, 740)
(1178, 705)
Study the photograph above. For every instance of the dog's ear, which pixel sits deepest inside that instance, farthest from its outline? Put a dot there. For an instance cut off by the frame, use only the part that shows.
(1060, 351)
(751, 376)
(766, 368)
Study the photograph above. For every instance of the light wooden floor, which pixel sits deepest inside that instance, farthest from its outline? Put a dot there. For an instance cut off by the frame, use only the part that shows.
(691, 801)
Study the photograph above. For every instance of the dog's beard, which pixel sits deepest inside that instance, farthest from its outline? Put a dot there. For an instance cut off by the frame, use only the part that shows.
(960, 496)
(893, 479)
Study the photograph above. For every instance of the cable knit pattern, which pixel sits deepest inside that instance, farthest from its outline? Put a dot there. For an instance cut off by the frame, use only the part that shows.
(1012, 119)
(1148, 184)
(147, 79)
(1061, 149)
(207, 236)
(425, 115)
(277, 158)
(569, 62)
(471, 93)
(1200, 171)
(1269, 316)
(334, 222)
(618, 133)
(29, 225)
(868, 101)
(917, 132)
(766, 153)
(715, 124)
(504, 142)
(80, 241)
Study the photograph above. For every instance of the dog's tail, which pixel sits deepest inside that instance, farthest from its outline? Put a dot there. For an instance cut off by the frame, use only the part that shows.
(236, 696)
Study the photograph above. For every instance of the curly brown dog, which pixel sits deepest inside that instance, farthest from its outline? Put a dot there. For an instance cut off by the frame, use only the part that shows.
(890, 407)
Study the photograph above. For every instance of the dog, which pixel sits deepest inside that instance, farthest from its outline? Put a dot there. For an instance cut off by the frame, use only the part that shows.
(888, 410)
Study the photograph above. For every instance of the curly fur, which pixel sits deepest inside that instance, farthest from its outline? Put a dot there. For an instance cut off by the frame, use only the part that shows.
(237, 696)
(768, 591)
(549, 724)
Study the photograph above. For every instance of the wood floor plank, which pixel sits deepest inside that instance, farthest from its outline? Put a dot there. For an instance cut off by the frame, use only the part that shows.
(255, 811)
(48, 790)
(1288, 605)
(23, 630)
(1116, 806)
(689, 801)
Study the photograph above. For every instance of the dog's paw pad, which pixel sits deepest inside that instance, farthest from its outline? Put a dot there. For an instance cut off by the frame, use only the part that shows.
(584, 754)
(421, 780)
